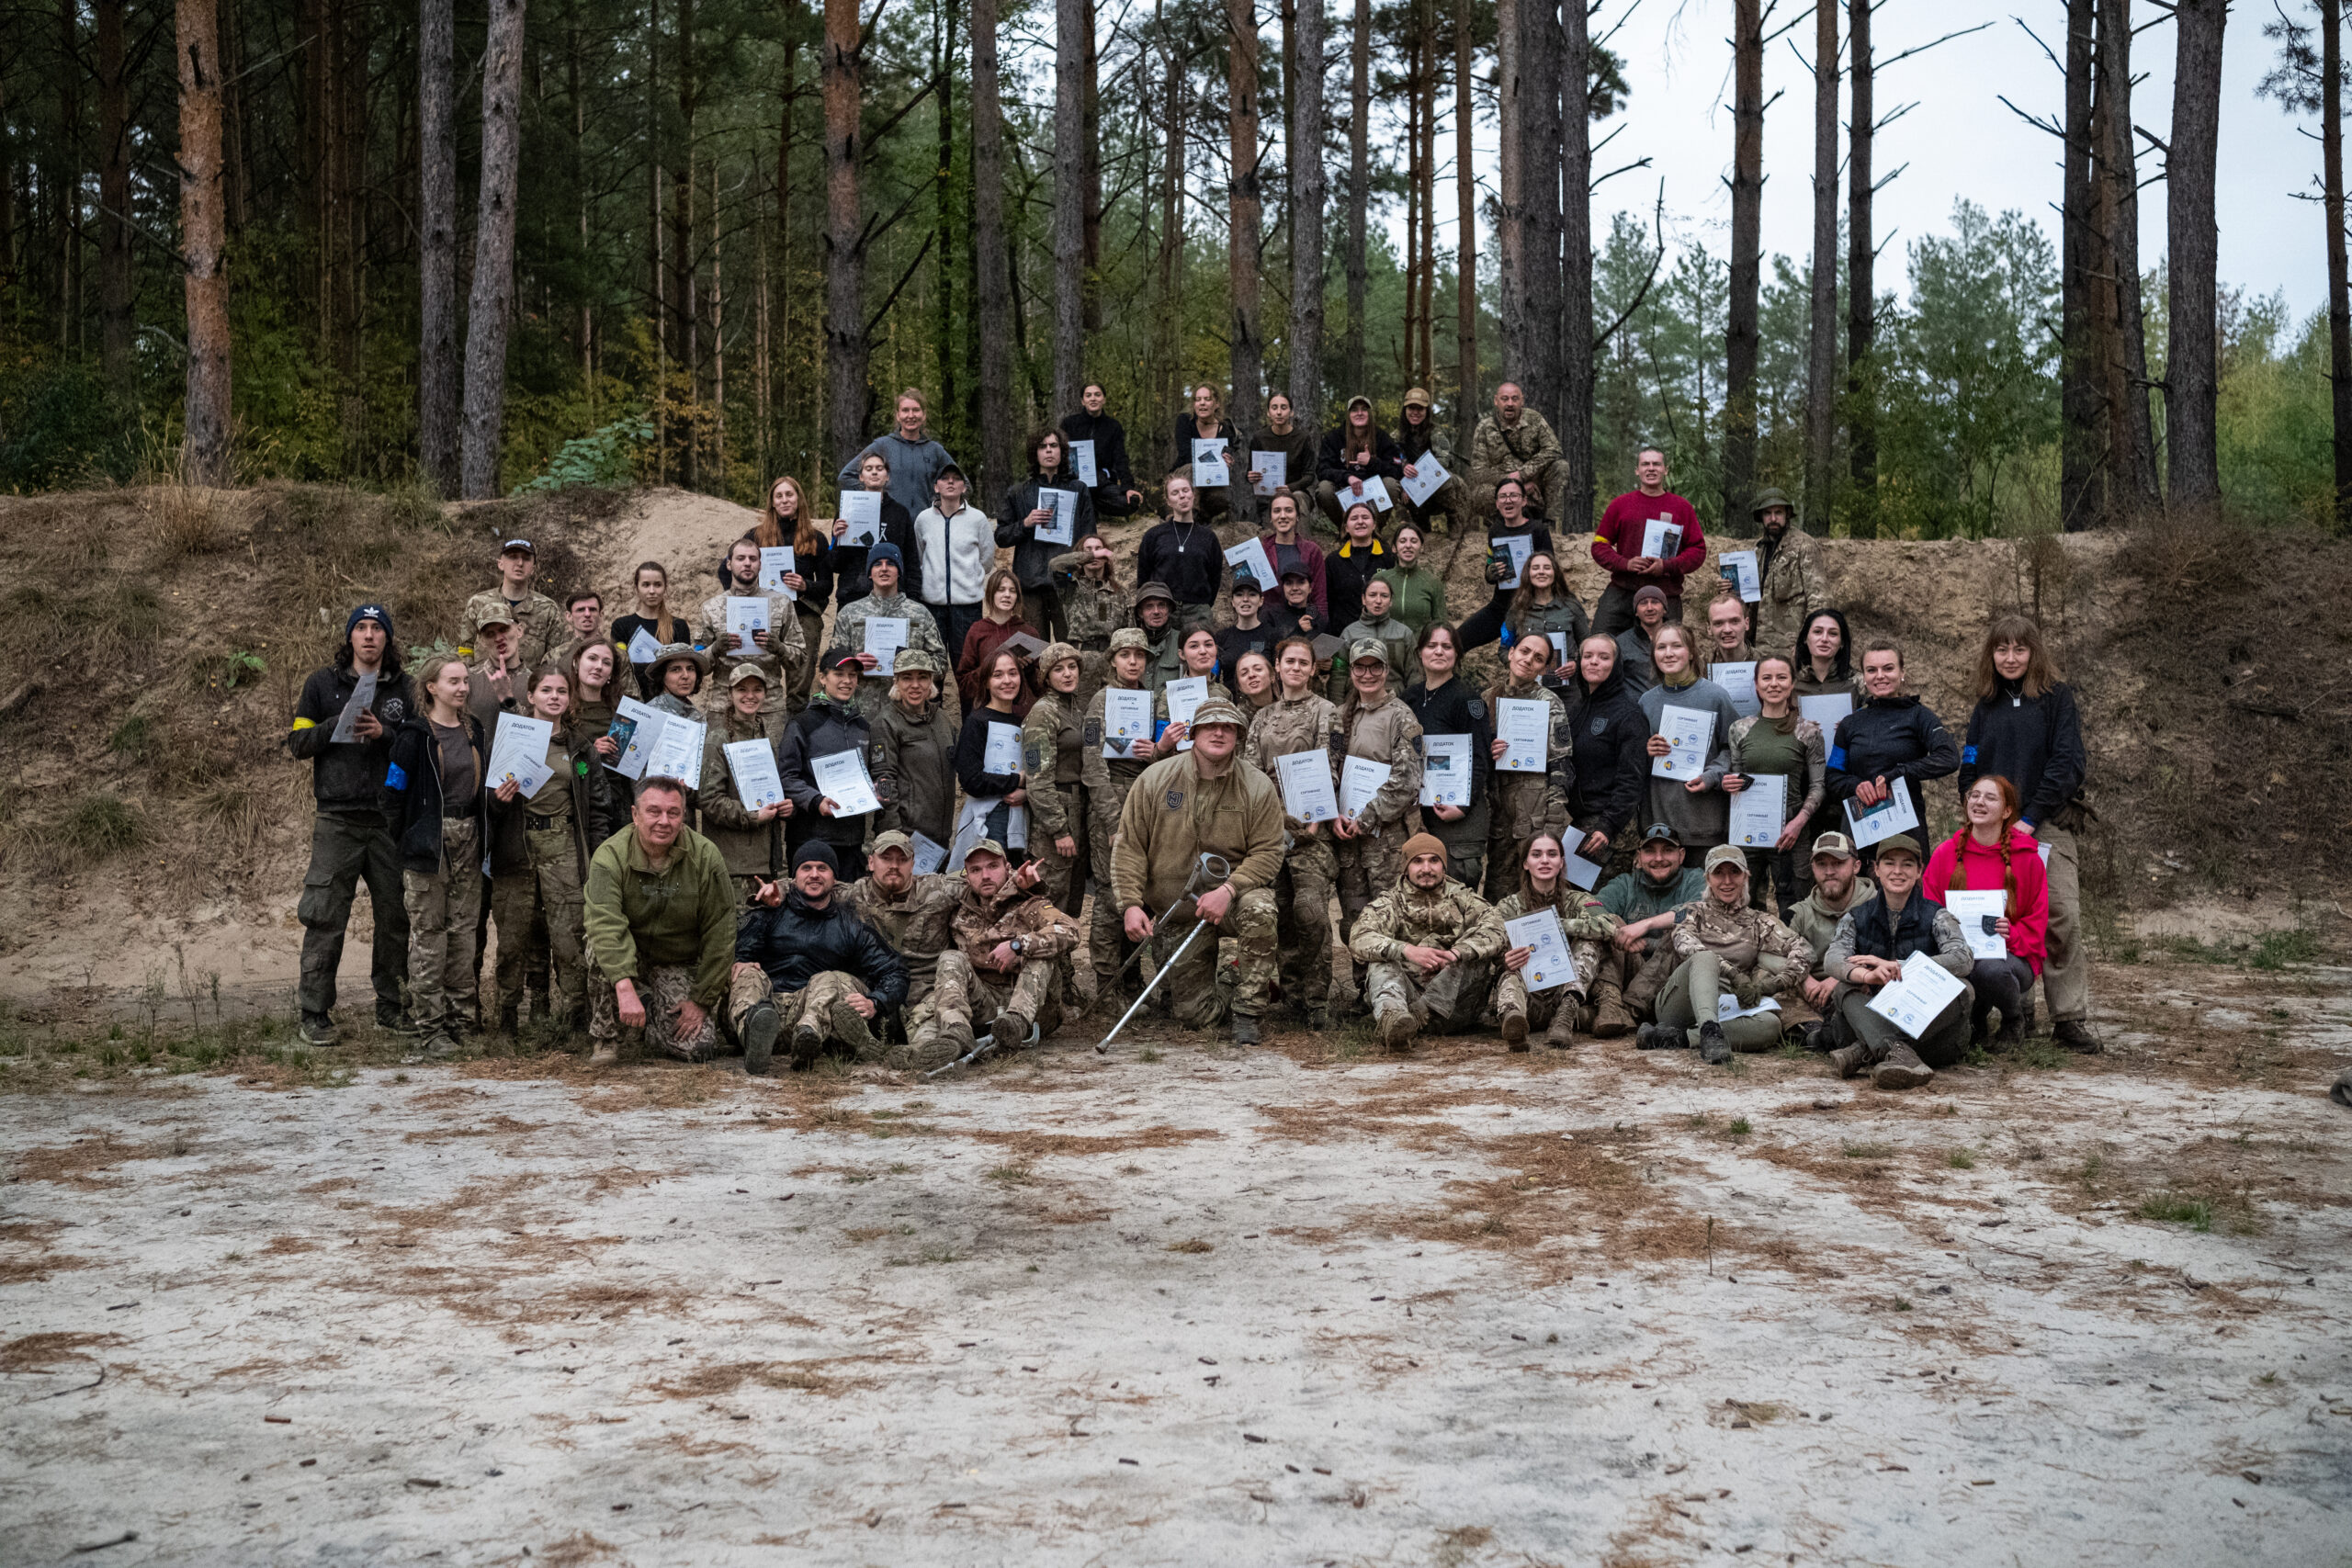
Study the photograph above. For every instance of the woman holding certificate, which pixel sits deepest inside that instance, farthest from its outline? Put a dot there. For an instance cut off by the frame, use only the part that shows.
(1457, 754)
(540, 845)
(1203, 422)
(1511, 535)
(1042, 517)
(595, 696)
(748, 837)
(1545, 606)
(988, 757)
(1989, 874)
(1355, 456)
(1882, 751)
(1545, 984)
(1377, 766)
(1299, 724)
(1779, 769)
(432, 799)
(1689, 745)
(1053, 755)
(1609, 779)
(1528, 796)
(649, 626)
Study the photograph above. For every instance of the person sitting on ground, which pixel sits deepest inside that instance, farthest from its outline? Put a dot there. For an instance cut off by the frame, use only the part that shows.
(1421, 441)
(884, 565)
(1558, 1010)
(1839, 886)
(829, 726)
(1019, 948)
(913, 751)
(1633, 654)
(1874, 941)
(1359, 450)
(1515, 442)
(515, 603)
(432, 799)
(1005, 615)
(539, 847)
(1416, 593)
(1428, 946)
(805, 963)
(1722, 947)
(1993, 852)
(915, 913)
(1376, 625)
(774, 649)
(1645, 898)
(751, 842)
(659, 917)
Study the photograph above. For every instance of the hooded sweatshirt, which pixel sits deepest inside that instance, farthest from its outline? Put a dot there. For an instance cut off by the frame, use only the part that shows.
(1961, 862)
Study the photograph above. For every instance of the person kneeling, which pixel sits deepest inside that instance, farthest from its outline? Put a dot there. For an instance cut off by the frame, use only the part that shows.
(1557, 1010)
(1430, 942)
(1872, 943)
(806, 963)
(1725, 949)
(1017, 945)
(658, 913)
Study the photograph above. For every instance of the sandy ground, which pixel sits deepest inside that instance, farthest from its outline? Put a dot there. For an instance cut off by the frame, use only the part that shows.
(1183, 1304)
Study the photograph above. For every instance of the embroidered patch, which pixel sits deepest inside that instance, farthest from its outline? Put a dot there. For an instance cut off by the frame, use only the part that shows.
(1175, 800)
(1597, 727)
(1094, 732)
(1477, 708)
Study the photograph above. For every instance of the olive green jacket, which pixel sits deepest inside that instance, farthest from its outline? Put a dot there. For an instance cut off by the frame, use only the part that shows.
(681, 916)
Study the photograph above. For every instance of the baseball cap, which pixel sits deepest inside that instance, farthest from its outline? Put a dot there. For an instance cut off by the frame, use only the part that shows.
(517, 546)
(1660, 833)
(1726, 855)
(985, 847)
(742, 672)
(1216, 710)
(893, 839)
(914, 662)
(1835, 845)
(841, 656)
(1900, 844)
(1367, 648)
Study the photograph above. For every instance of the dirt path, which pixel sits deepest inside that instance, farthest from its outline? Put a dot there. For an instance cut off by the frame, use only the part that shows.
(1184, 1305)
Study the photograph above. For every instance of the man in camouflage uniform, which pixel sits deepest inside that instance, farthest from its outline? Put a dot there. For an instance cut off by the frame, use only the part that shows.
(1094, 606)
(1428, 944)
(1310, 871)
(660, 917)
(1527, 803)
(1205, 800)
(1016, 946)
(1107, 781)
(1516, 441)
(884, 565)
(1789, 566)
(1723, 948)
(751, 842)
(515, 601)
(778, 652)
(1374, 724)
(1164, 637)
(916, 915)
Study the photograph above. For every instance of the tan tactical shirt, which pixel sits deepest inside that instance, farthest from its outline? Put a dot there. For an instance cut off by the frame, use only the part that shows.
(1452, 916)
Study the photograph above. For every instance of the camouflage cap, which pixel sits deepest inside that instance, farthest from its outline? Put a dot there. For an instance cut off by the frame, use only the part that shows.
(893, 839)
(1837, 846)
(915, 661)
(1727, 854)
(742, 672)
(1056, 653)
(1130, 636)
(1218, 710)
(985, 847)
(1367, 649)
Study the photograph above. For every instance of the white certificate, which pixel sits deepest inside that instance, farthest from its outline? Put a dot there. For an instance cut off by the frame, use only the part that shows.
(1274, 471)
(643, 647)
(1305, 778)
(1002, 754)
(745, 616)
(1127, 718)
(1524, 726)
(1081, 462)
(1361, 778)
(1210, 471)
(363, 697)
(1662, 538)
(678, 753)
(840, 777)
(1373, 492)
(1912, 1003)
(1447, 769)
(931, 855)
(528, 773)
(644, 725)
(861, 510)
(1728, 1007)
(1738, 682)
(1739, 568)
(517, 739)
(1891, 816)
(753, 765)
(1827, 711)
(1687, 732)
(1251, 553)
(1758, 811)
(1976, 911)
(774, 561)
(1549, 965)
(1583, 872)
(1427, 475)
(1185, 698)
(885, 635)
(1063, 529)
(1517, 547)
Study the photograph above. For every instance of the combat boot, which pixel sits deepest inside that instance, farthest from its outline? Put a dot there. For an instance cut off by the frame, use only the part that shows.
(808, 1040)
(1397, 1027)
(1661, 1037)
(760, 1028)
(1318, 1019)
(1851, 1059)
(510, 1018)
(1562, 1035)
(2076, 1036)
(1714, 1049)
(1515, 1027)
(1901, 1068)
(1010, 1032)
(318, 1029)
(1610, 1018)
(1245, 1030)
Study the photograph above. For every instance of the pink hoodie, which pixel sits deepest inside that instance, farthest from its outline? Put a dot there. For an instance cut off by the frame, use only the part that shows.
(1979, 867)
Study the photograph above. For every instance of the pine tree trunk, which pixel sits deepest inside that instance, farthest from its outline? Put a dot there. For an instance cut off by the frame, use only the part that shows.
(1307, 192)
(203, 244)
(1510, 302)
(1359, 192)
(1466, 217)
(492, 304)
(436, 391)
(1821, 358)
(944, 204)
(1069, 206)
(2132, 441)
(1163, 368)
(1740, 335)
(1544, 85)
(683, 272)
(1246, 212)
(998, 465)
(1090, 178)
(845, 393)
(2339, 301)
(1861, 284)
(2192, 359)
(656, 275)
(1574, 425)
(117, 329)
(2082, 493)
(1427, 351)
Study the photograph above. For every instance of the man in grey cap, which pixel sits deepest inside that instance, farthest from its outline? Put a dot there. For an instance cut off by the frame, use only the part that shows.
(1875, 940)
(1163, 639)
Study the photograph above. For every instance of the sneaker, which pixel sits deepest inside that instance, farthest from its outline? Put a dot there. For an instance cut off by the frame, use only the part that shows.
(1714, 1049)
(806, 1042)
(2076, 1036)
(1660, 1037)
(760, 1027)
(1901, 1069)
(1245, 1030)
(1396, 1028)
(394, 1017)
(318, 1029)
(1515, 1029)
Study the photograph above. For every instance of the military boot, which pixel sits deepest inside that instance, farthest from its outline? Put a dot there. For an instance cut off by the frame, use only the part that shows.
(318, 1029)
(808, 1040)
(1397, 1027)
(1901, 1068)
(1851, 1059)
(1010, 1032)
(1245, 1030)
(1514, 1028)
(1610, 1018)
(1714, 1049)
(510, 1018)
(760, 1027)
(1562, 1035)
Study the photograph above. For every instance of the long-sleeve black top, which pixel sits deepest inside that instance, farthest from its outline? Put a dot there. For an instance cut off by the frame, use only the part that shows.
(1610, 739)
(848, 561)
(1113, 471)
(1333, 466)
(971, 752)
(1897, 738)
(2036, 743)
(1183, 557)
(1032, 560)
(1456, 708)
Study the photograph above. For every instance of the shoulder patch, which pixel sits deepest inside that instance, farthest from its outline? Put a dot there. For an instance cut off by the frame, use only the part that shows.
(1417, 743)
(1175, 800)
(1597, 727)
(1475, 707)
(1093, 733)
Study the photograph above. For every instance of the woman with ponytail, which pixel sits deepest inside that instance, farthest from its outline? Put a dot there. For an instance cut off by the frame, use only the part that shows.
(1991, 853)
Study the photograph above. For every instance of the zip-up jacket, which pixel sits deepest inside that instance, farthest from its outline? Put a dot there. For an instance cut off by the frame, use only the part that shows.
(411, 796)
(2036, 743)
(1899, 736)
(795, 942)
(1033, 558)
(1610, 740)
(346, 778)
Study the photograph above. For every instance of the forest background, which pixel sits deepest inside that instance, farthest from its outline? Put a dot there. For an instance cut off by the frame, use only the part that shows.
(738, 228)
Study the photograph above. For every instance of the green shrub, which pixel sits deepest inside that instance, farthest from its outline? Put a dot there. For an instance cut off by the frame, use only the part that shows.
(102, 824)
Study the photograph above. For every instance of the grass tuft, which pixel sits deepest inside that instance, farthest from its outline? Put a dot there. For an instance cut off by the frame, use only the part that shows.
(102, 824)
(1961, 1159)
(2177, 1209)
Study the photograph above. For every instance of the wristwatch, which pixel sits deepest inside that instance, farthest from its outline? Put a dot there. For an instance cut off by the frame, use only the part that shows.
(1016, 947)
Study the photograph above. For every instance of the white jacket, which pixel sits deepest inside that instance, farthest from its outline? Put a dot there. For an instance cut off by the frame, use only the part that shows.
(956, 555)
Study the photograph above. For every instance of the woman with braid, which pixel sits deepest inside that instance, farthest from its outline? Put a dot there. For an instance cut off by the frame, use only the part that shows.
(1992, 852)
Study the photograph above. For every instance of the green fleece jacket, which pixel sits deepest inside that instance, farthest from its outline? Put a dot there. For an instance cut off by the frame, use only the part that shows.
(682, 915)
(1419, 595)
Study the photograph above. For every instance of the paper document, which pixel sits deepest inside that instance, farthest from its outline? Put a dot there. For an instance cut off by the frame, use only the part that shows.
(1912, 1003)
(1738, 568)
(643, 647)
(861, 510)
(1891, 816)
(1827, 711)
(363, 697)
(1759, 811)
(774, 561)
(885, 635)
(1002, 754)
(1687, 732)
(1373, 492)
(840, 777)
(1423, 481)
(1513, 550)
(1305, 778)
(633, 726)
(1185, 698)
(1063, 529)
(1023, 643)
(1081, 462)
(517, 738)
(745, 616)
(1250, 554)
(1549, 965)
(1274, 471)
(1524, 726)
(1210, 471)
(752, 764)
(1127, 718)
(1446, 772)
(1662, 538)
(1728, 1007)
(930, 854)
(678, 754)
(1361, 778)
(1738, 682)
(1583, 872)
(1977, 913)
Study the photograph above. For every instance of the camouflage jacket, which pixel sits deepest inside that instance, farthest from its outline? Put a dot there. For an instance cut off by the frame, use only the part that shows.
(1529, 804)
(1739, 937)
(980, 923)
(1452, 916)
(1095, 770)
(922, 632)
(544, 627)
(1094, 608)
(751, 849)
(1289, 724)
(920, 923)
(786, 656)
(1527, 446)
(1793, 589)
(1052, 746)
(1582, 917)
(1386, 732)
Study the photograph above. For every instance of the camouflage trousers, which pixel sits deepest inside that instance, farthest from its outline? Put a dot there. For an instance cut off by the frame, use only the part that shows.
(1205, 986)
(937, 1017)
(822, 1004)
(345, 850)
(1302, 907)
(441, 908)
(1370, 864)
(659, 988)
(1035, 991)
(549, 893)
(1450, 1001)
(1065, 884)
(1105, 939)
(1591, 958)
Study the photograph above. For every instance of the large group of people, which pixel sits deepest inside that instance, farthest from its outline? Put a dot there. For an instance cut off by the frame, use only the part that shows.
(874, 794)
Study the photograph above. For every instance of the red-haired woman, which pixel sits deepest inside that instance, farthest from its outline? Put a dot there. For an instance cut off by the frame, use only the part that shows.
(1991, 854)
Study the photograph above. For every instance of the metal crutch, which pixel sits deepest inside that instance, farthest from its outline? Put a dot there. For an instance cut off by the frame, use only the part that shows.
(1213, 867)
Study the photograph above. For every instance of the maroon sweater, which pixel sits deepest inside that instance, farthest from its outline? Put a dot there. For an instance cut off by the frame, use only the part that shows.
(1619, 540)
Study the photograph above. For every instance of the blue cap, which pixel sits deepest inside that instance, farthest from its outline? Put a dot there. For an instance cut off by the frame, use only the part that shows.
(890, 553)
(375, 613)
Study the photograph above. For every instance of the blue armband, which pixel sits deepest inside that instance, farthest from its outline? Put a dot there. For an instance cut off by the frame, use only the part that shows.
(1968, 756)
(394, 778)
(1837, 757)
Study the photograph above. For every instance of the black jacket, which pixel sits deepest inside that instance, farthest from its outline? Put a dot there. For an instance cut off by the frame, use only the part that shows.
(847, 562)
(1610, 739)
(1900, 737)
(1184, 557)
(1031, 558)
(795, 944)
(598, 811)
(1110, 437)
(410, 797)
(1345, 571)
(1188, 430)
(1334, 469)
(346, 778)
(971, 751)
(1456, 708)
(820, 729)
(2036, 743)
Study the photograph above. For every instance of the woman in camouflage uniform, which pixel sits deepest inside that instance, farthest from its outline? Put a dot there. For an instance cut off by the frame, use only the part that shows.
(1094, 605)
(1374, 724)
(1558, 1010)
(1054, 760)
(1299, 720)
(1107, 781)
(1524, 805)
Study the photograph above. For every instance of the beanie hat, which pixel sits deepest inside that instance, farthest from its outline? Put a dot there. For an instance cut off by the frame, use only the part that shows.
(376, 612)
(886, 552)
(818, 851)
(1422, 844)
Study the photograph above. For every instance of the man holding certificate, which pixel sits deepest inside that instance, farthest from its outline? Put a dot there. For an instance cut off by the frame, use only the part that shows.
(1646, 517)
(1877, 952)
(746, 626)
(829, 728)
